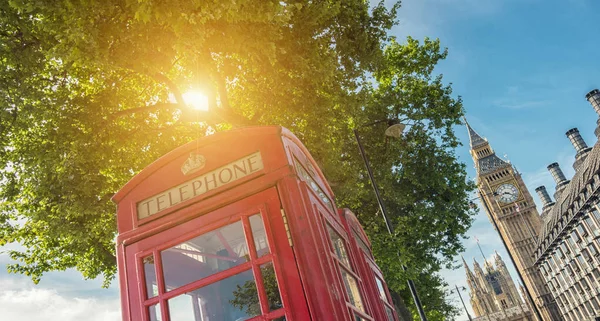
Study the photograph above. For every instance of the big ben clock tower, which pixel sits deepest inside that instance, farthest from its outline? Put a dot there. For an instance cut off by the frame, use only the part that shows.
(512, 211)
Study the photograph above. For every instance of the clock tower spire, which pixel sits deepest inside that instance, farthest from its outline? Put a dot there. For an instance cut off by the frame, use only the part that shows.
(511, 208)
(485, 159)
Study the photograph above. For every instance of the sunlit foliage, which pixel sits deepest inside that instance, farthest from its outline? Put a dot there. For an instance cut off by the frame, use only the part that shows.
(91, 93)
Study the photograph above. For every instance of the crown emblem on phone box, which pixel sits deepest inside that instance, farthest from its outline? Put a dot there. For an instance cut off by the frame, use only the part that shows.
(194, 163)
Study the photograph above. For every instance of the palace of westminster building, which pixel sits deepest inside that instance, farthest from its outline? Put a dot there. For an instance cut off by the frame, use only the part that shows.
(556, 252)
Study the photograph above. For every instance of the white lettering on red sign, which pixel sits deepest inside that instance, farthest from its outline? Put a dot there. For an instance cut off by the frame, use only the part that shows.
(200, 185)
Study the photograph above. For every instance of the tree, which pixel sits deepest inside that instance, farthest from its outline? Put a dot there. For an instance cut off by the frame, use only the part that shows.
(424, 186)
(91, 92)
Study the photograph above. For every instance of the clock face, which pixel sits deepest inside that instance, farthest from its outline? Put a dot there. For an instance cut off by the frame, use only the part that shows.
(507, 193)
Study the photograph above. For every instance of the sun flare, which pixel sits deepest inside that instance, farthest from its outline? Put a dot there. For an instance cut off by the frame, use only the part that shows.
(196, 100)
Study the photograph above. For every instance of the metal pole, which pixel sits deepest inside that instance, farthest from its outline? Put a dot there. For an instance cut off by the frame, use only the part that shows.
(487, 208)
(388, 224)
(463, 302)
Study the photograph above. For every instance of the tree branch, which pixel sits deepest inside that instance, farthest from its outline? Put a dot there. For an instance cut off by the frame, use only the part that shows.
(144, 109)
(170, 84)
(222, 89)
(225, 113)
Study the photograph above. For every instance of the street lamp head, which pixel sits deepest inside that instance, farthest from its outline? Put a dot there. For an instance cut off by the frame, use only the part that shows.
(395, 130)
(472, 205)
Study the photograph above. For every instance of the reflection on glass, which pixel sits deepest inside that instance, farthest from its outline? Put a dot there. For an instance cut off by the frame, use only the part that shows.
(390, 314)
(271, 286)
(204, 255)
(381, 289)
(231, 299)
(154, 312)
(361, 243)
(184, 308)
(338, 246)
(259, 234)
(150, 275)
(352, 290)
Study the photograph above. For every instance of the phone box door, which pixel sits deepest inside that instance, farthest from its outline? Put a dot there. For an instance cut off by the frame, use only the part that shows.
(231, 264)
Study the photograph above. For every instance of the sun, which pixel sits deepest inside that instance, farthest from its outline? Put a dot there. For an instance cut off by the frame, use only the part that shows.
(196, 100)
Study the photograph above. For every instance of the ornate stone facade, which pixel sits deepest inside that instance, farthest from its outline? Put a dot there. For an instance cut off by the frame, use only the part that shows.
(493, 293)
(568, 250)
(511, 209)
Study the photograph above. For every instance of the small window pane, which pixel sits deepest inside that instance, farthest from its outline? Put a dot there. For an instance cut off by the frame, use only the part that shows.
(204, 255)
(381, 289)
(390, 314)
(150, 275)
(231, 299)
(564, 248)
(586, 255)
(352, 290)
(243, 301)
(585, 284)
(338, 246)
(154, 312)
(592, 226)
(581, 261)
(181, 308)
(271, 286)
(279, 319)
(259, 235)
(361, 243)
(593, 249)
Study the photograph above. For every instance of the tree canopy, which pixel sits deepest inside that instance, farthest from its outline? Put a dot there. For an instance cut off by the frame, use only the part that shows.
(92, 91)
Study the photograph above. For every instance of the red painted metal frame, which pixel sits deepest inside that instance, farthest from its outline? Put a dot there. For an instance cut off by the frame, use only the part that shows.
(200, 226)
(290, 184)
(366, 263)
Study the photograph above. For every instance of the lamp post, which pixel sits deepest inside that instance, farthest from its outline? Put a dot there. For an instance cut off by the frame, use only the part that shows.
(461, 300)
(394, 130)
(487, 209)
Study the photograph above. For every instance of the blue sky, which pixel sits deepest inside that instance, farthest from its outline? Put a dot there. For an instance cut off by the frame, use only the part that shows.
(522, 68)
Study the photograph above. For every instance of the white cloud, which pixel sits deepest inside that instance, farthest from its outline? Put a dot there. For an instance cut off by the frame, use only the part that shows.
(60, 296)
(21, 301)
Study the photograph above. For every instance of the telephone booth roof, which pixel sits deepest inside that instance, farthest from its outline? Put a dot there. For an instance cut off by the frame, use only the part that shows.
(263, 154)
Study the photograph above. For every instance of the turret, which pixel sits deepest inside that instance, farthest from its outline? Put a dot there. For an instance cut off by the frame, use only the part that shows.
(547, 202)
(476, 266)
(594, 98)
(507, 279)
(471, 281)
(581, 147)
(559, 178)
(498, 259)
(544, 197)
(480, 276)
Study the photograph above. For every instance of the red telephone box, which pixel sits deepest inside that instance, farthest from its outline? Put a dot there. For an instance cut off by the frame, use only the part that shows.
(242, 225)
